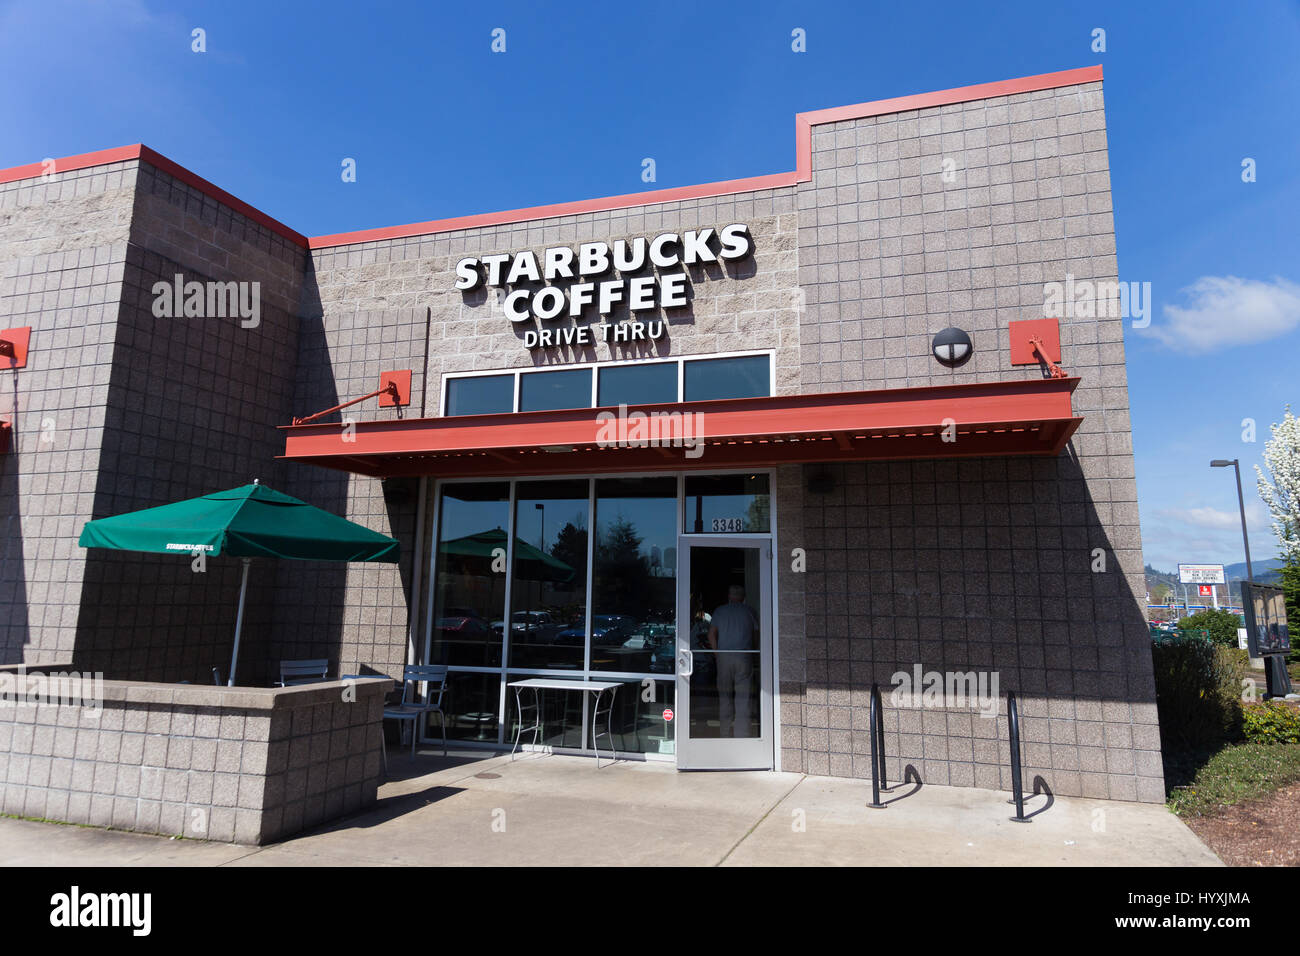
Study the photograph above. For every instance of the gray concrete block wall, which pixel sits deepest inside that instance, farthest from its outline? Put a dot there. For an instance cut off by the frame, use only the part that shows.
(188, 227)
(890, 252)
(203, 763)
(323, 761)
(193, 407)
(792, 610)
(357, 616)
(63, 248)
(979, 564)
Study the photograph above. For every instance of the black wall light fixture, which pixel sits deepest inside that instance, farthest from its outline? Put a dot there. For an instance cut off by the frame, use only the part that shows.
(952, 347)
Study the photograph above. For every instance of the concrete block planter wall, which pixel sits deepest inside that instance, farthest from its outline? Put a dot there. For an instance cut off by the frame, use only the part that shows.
(234, 764)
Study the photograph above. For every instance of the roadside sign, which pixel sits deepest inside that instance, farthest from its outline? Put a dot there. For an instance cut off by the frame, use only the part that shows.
(1206, 590)
(1201, 574)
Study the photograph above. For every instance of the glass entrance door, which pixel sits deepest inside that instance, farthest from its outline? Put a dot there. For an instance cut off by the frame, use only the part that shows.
(724, 653)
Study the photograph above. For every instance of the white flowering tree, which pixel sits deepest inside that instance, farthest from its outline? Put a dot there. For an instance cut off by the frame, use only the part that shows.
(1280, 487)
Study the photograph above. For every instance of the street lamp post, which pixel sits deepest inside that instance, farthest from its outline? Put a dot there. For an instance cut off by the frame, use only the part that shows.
(1279, 682)
(1241, 504)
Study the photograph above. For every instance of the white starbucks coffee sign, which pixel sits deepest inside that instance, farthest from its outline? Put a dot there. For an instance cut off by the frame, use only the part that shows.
(586, 292)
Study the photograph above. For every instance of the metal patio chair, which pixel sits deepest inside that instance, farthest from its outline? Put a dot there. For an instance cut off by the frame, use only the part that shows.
(414, 705)
(294, 673)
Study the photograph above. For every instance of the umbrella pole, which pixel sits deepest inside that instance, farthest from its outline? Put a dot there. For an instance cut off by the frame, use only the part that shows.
(239, 622)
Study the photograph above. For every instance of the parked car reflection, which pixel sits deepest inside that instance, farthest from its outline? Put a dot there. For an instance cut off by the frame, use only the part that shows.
(465, 637)
(534, 626)
(607, 630)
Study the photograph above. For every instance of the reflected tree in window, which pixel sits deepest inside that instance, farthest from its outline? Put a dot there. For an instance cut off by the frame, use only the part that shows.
(624, 571)
(571, 546)
(758, 517)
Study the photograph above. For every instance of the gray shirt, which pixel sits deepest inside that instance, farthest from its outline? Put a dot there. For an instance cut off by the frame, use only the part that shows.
(736, 625)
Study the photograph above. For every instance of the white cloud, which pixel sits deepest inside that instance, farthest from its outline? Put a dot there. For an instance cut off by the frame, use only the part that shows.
(1204, 535)
(1215, 520)
(1225, 311)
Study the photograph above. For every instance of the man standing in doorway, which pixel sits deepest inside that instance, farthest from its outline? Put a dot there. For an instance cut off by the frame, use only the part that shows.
(734, 628)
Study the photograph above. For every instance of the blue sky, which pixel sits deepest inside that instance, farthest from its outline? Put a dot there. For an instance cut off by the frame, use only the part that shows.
(440, 125)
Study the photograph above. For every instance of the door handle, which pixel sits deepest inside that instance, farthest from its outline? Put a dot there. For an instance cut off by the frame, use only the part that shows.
(685, 663)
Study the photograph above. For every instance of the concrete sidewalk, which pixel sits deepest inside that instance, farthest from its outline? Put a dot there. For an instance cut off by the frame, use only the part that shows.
(470, 809)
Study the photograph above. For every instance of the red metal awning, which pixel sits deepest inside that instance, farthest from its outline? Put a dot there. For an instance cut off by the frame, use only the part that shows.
(1029, 417)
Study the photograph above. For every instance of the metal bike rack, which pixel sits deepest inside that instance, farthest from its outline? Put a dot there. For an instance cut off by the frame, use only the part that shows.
(1013, 734)
(879, 781)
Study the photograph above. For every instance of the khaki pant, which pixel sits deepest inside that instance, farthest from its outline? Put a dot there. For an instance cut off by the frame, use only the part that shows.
(735, 682)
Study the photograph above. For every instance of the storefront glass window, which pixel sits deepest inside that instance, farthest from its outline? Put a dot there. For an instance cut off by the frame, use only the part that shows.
(634, 577)
(544, 391)
(745, 377)
(728, 504)
(480, 394)
(638, 722)
(549, 587)
(471, 703)
(470, 590)
(633, 582)
(637, 384)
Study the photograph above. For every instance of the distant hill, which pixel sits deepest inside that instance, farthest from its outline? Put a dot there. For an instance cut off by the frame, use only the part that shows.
(1267, 571)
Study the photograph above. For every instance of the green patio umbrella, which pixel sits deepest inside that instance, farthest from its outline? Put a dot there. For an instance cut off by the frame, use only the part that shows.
(484, 546)
(253, 521)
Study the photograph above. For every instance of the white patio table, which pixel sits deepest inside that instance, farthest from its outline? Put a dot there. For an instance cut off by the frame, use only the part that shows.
(538, 684)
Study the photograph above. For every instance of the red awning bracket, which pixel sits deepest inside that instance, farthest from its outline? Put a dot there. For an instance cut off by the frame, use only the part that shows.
(1041, 351)
(13, 347)
(394, 391)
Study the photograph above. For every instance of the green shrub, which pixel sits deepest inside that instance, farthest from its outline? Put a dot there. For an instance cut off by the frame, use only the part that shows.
(1219, 627)
(1198, 696)
(1270, 723)
(1235, 774)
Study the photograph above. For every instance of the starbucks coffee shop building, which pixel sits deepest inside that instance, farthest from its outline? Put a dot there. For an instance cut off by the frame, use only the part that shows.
(831, 395)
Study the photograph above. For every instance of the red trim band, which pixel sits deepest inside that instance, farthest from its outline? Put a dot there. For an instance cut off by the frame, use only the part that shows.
(103, 157)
